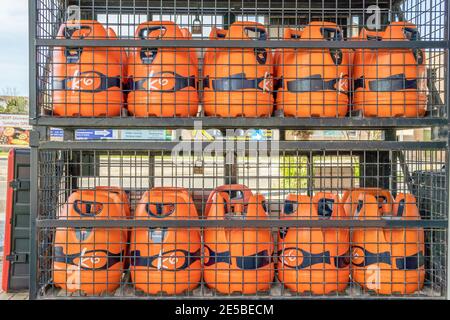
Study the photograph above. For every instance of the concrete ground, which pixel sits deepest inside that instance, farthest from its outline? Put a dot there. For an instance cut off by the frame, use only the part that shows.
(22, 295)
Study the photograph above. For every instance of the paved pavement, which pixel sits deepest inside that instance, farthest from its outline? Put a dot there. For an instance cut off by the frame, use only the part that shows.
(21, 295)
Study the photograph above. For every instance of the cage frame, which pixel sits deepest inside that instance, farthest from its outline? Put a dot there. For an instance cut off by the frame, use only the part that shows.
(39, 137)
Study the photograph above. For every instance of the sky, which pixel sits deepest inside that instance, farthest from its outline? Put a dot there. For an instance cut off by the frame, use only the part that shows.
(14, 46)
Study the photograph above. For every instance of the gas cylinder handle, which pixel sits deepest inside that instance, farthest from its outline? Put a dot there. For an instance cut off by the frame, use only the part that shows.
(73, 54)
(260, 53)
(331, 34)
(221, 34)
(290, 207)
(148, 55)
(383, 200)
(325, 208)
(265, 205)
(412, 34)
(68, 31)
(262, 34)
(87, 208)
(235, 194)
(260, 201)
(160, 209)
(293, 34)
(143, 35)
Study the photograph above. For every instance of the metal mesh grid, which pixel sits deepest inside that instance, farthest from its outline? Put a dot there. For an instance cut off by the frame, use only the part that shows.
(300, 172)
(136, 260)
(125, 15)
(78, 282)
(279, 73)
(88, 243)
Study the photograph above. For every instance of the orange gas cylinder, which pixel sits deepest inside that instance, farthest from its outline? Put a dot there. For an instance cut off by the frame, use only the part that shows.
(314, 260)
(165, 260)
(87, 81)
(238, 259)
(123, 61)
(289, 34)
(90, 260)
(193, 52)
(313, 82)
(361, 59)
(388, 261)
(390, 82)
(215, 34)
(239, 81)
(123, 53)
(383, 197)
(163, 80)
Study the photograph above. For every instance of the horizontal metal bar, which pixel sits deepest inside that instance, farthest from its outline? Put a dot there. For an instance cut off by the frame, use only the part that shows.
(131, 145)
(274, 44)
(360, 145)
(240, 122)
(276, 223)
(247, 297)
(248, 6)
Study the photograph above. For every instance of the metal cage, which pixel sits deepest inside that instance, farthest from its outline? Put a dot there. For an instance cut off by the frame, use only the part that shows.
(55, 77)
(99, 252)
(292, 171)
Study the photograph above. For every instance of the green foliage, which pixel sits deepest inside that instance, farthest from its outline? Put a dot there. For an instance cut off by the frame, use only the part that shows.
(356, 169)
(294, 172)
(15, 105)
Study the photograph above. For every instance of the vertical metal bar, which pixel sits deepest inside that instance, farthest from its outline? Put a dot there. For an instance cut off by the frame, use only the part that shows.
(152, 170)
(447, 169)
(34, 160)
(310, 174)
(33, 106)
(389, 168)
(231, 171)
